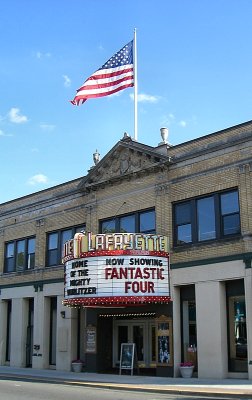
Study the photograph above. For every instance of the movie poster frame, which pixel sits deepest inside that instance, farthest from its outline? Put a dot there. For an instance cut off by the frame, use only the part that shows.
(164, 341)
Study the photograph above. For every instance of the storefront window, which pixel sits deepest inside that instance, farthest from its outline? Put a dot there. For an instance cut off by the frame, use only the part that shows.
(238, 334)
(189, 324)
(189, 332)
(153, 343)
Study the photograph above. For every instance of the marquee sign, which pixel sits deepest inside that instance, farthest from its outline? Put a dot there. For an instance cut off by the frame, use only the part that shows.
(116, 269)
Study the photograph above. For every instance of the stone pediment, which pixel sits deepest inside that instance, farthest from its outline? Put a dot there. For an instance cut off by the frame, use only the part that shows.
(127, 157)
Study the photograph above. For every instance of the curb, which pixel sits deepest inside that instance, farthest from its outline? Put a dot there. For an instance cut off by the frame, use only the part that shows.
(194, 391)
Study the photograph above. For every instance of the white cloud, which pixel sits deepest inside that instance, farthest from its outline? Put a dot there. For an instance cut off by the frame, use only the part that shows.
(171, 119)
(4, 134)
(37, 179)
(16, 117)
(167, 120)
(40, 55)
(183, 124)
(47, 127)
(145, 98)
(67, 81)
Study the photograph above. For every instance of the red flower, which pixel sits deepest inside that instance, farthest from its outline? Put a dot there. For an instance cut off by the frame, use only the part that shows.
(186, 364)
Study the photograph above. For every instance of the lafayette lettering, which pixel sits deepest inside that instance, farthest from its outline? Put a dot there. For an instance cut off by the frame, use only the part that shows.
(83, 243)
(126, 241)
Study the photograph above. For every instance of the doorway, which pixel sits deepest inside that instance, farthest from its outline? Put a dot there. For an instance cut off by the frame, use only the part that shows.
(140, 332)
(29, 334)
(188, 324)
(53, 331)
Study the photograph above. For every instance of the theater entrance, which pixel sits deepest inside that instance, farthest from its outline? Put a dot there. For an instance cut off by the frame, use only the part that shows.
(139, 325)
(140, 332)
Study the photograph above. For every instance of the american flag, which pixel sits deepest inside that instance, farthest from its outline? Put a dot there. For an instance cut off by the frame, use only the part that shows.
(116, 74)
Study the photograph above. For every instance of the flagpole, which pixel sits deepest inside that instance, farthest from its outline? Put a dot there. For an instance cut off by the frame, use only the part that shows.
(135, 86)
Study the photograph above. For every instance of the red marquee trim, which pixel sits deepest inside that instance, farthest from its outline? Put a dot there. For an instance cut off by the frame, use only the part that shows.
(117, 301)
(117, 253)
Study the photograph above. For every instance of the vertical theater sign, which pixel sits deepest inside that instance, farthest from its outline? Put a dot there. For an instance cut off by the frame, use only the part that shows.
(116, 269)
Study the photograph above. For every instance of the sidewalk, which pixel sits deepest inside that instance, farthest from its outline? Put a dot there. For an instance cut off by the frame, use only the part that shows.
(236, 388)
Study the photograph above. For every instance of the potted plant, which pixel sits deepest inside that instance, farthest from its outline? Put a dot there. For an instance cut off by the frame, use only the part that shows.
(77, 365)
(186, 369)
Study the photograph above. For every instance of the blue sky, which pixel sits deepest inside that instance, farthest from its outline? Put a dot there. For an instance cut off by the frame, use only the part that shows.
(194, 77)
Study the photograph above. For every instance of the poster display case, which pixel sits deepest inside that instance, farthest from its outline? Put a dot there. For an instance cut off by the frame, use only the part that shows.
(164, 341)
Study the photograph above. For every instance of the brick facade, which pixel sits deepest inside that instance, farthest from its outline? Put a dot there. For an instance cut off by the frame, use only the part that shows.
(133, 177)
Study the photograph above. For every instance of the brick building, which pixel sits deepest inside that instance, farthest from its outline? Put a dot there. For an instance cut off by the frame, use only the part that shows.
(198, 194)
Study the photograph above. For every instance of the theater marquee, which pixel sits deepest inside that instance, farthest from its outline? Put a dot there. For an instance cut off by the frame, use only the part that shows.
(116, 269)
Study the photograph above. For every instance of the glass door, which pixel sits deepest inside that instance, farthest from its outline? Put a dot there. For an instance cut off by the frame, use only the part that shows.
(189, 331)
(122, 337)
(140, 332)
(238, 353)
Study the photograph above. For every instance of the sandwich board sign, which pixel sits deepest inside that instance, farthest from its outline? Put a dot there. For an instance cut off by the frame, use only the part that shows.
(128, 357)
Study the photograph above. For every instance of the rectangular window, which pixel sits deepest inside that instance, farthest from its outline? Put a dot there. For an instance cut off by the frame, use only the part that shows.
(31, 253)
(52, 254)
(183, 222)
(128, 223)
(230, 213)
(137, 222)
(9, 257)
(207, 218)
(19, 255)
(55, 244)
(108, 226)
(147, 222)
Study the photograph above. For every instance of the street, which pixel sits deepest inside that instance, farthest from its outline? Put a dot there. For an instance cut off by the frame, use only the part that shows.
(15, 389)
